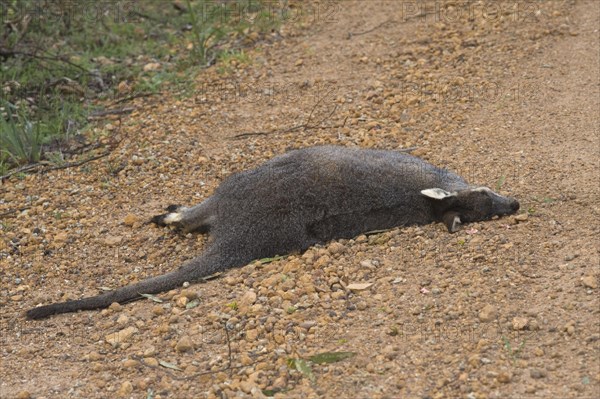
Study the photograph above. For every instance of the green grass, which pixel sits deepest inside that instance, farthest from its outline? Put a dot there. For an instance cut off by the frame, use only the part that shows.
(68, 55)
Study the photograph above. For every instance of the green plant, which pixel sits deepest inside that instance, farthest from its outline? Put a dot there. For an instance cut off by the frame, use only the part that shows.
(291, 309)
(514, 354)
(20, 139)
(205, 28)
(500, 182)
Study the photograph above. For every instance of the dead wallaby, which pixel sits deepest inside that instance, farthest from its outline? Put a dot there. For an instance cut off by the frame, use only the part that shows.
(304, 197)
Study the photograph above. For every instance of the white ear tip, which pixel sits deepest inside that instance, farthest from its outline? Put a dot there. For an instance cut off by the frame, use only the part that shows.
(436, 193)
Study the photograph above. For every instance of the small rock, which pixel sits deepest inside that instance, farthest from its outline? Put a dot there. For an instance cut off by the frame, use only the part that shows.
(137, 160)
(246, 386)
(522, 217)
(299, 62)
(23, 395)
(125, 390)
(121, 336)
(152, 66)
(487, 313)
(181, 302)
(538, 373)
(151, 361)
(530, 389)
(504, 377)
(336, 248)
(115, 307)
(307, 324)
(251, 335)
(185, 344)
(359, 286)
(94, 356)
(130, 363)
(158, 310)
(130, 220)
(519, 323)
(150, 351)
(61, 237)
(590, 282)
(390, 352)
(570, 257)
(113, 240)
(368, 263)
(189, 294)
(123, 87)
(247, 299)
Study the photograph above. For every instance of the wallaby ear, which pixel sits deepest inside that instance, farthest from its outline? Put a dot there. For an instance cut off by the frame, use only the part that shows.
(437, 193)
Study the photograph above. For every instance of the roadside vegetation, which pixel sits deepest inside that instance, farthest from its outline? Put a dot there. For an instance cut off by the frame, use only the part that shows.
(63, 61)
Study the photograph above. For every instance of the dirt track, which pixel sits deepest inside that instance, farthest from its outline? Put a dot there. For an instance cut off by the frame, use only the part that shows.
(503, 309)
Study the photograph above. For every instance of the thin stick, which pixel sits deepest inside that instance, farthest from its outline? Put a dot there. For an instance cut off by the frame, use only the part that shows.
(305, 125)
(117, 111)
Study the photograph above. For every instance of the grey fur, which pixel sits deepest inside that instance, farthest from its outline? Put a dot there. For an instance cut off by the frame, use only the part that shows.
(304, 197)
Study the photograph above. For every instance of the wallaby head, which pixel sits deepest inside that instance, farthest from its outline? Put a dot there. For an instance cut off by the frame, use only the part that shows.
(469, 205)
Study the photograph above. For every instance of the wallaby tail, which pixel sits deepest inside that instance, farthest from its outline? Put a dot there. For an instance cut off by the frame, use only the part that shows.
(125, 294)
(214, 259)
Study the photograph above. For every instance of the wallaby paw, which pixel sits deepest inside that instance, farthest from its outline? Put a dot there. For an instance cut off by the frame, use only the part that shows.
(173, 208)
(172, 217)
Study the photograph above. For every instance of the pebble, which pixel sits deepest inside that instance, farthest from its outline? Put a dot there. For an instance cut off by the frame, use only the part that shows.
(150, 351)
(130, 220)
(182, 301)
(336, 248)
(247, 300)
(519, 323)
(158, 310)
(61, 237)
(125, 390)
(115, 307)
(130, 363)
(251, 335)
(121, 336)
(111, 241)
(538, 373)
(151, 361)
(590, 282)
(189, 293)
(522, 217)
(184, 344)
(487, 313)
(23, 395)
(94, 356)
(504, 377)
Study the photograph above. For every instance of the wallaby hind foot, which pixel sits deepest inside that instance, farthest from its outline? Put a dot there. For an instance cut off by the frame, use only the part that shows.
(195, 219)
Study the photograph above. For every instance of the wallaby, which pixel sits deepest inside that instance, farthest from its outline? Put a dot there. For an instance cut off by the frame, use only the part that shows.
(305, 197)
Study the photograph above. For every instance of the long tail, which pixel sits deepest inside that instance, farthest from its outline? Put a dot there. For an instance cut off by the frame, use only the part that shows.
(206, 264)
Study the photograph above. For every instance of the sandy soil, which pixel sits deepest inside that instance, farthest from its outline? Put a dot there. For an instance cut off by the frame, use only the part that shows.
(507, 95)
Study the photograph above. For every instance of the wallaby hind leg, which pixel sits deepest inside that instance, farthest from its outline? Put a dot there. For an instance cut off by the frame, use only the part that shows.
(198, 218)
